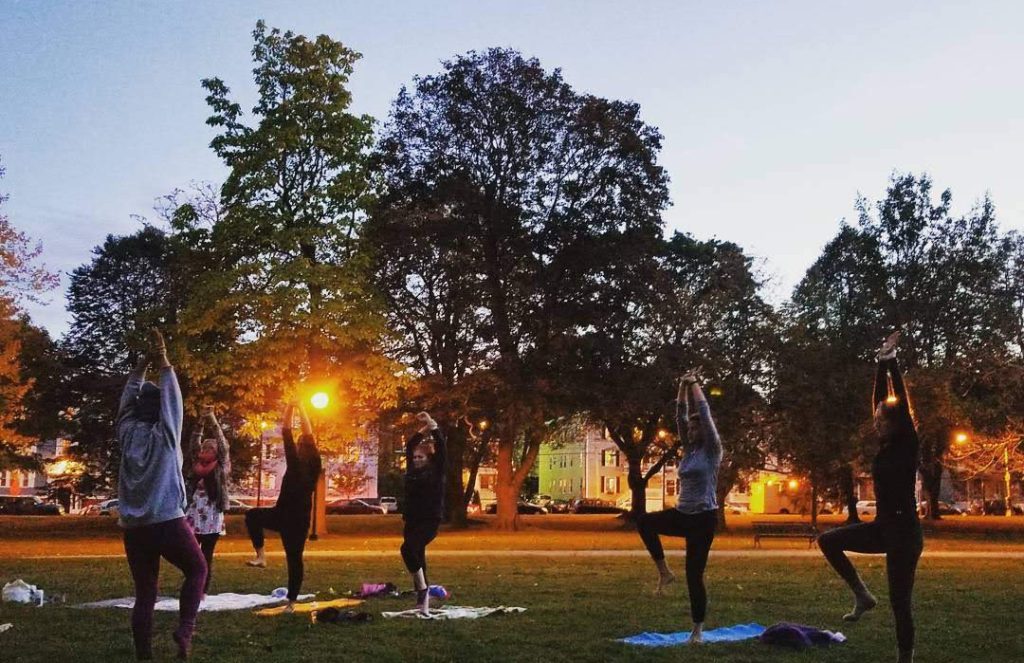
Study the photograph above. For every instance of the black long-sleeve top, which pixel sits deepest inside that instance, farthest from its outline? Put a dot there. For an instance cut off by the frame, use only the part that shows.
(894, 469)
(302, 471)
(424, 488)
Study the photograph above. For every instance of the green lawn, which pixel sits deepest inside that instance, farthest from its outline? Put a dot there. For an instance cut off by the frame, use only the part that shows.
(22, 536)
(966, 611)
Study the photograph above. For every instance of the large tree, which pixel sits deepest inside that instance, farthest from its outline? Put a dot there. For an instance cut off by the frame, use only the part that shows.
(823, 375)
(22, 278)
(666, 308)
(279, 303)
(528, 184)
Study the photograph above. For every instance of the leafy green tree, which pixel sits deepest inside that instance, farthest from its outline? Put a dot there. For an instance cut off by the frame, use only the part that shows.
(824, 371)
(21, 278)
(523, 185)
(279, 296)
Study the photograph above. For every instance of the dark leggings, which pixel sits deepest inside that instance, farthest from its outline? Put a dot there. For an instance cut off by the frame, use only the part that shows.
(144, 546)
(699, 530)
(207, 543)
(416, 535)
(293, 529)
(901, 540)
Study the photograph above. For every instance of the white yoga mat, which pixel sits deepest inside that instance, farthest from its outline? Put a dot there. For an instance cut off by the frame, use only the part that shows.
(212, 602)
(454, 612)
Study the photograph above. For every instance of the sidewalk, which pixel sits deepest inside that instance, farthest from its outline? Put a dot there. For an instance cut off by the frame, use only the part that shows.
(813, 552)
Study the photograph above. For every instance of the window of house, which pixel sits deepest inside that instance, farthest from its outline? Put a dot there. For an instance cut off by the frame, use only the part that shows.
(5, 479)
(670, 487)
(610, 485)
(487, 482)
(269, 481)
(610, 458)
(28, 479)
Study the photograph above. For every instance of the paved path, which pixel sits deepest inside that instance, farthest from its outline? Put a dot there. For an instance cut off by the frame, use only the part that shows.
(562, 554)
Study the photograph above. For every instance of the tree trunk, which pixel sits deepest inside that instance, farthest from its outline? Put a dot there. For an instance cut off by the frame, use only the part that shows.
(931, 476)
(848, 492)
(726, 479)
(814, 503)
(510, 480)
(637, 489)
(455, 505)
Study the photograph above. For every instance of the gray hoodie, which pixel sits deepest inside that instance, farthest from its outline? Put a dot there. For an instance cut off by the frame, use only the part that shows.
(150, 488)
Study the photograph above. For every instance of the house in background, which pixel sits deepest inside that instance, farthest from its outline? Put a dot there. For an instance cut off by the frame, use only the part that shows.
(351, 474)
(593, 467)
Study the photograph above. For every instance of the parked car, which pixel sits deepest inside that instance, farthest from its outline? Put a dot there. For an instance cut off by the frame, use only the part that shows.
(352, 507)
(559, 506)
(541, 500)
(107, 508)
(390, 504)
(236, 507)
(997, 507)
(736, 508)
(867, 508)
(28, 505)
(594, 505)
(522, 507)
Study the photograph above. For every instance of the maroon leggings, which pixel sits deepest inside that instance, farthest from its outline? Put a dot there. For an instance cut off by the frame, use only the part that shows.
(174, 541)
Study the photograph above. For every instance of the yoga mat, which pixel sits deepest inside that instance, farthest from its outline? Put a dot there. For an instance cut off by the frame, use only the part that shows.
(725, 634)
(212, 602)
(454, 612)
(309, 607)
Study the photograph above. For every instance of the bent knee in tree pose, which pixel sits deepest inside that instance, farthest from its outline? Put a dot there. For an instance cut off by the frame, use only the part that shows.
(151, 497)
(896, 530)
(207, 471)
(426, 460)
(696, 516)
(290, 516)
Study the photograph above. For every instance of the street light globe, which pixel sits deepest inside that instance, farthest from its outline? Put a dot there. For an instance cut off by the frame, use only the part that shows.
(793, 484)
(961, 438)
(319, 400)
(484, 424)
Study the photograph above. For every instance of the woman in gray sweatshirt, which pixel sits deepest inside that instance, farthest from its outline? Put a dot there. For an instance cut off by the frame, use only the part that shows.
(151, 499)
(695, 517)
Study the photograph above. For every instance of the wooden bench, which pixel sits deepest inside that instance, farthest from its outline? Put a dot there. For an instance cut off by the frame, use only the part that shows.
(787, 530)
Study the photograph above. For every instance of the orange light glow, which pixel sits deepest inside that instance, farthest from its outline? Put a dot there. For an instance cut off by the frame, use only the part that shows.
(961, 438)
(793, 484)
(319, 400)
(662, 433)
(892, 400)
(484, 424)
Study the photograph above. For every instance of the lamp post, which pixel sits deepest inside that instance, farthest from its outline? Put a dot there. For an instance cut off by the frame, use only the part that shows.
(1006, 477)
(319, 401)
(259, 466)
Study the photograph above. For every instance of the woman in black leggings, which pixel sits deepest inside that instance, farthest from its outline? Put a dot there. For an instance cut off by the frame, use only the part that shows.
(291, 515)
(695, 517)
(425, 458)
(896, 530)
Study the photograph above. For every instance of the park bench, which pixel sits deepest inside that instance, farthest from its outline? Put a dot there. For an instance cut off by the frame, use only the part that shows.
(788, 530)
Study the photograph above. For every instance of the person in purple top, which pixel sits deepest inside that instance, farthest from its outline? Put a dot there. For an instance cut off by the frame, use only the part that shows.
(896, 530)
(696, 515)
(151, 499)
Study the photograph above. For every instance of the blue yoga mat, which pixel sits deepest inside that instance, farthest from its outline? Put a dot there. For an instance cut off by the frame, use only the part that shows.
(724, 634)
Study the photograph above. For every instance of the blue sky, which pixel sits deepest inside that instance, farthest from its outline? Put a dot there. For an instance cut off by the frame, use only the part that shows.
(775, 114)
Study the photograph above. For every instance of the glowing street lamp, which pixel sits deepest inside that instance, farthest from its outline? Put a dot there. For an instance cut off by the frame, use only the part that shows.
(662, 434)
(793, 484)
(320, 400)
(483, 424)
(961, 438)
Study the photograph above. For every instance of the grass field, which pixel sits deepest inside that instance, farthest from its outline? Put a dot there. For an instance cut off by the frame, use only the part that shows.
(966, 609)
(22, 536)
(575, 610)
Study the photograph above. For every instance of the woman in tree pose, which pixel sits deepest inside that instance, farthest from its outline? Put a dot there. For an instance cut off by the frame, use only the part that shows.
(207, 482)
(290, 516)
(425, 462)
(896, 530)
(151, 499)
(696, 515)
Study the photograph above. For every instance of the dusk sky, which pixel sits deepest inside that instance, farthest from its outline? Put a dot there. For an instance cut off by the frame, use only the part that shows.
(775, 114)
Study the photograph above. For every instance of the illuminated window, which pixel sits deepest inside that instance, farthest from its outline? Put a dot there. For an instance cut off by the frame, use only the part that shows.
(670, 487)
(610, 458)
(610, 485)
(5, 479)
(28, 479)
